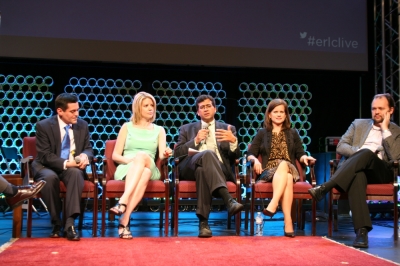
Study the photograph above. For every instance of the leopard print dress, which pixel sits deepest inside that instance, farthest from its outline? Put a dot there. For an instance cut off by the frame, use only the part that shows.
(279, 153)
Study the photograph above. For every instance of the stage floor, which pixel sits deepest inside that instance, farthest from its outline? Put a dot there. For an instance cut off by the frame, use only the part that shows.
(146, 224)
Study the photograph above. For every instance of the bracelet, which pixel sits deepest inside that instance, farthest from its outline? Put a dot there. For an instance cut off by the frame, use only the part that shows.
(386, 130)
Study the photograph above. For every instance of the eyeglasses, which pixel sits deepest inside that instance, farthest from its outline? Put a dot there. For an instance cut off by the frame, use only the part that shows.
(202, 107)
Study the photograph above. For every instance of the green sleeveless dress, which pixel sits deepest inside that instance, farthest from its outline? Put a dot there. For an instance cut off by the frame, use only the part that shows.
(139, 140)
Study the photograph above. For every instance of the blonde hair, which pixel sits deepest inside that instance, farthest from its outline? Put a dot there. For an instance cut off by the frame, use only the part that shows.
(271, 106)
(137, 106)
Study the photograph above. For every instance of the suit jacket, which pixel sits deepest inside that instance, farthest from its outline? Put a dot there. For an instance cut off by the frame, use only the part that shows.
(357, 133)
(187, 134)
(48, 144)
(261, 144)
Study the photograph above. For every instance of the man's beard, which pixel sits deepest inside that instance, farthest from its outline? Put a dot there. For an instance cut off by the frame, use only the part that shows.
(378, 120)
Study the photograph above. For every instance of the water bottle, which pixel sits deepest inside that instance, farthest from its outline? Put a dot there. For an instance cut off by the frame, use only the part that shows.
(244, 167)
(259, 224)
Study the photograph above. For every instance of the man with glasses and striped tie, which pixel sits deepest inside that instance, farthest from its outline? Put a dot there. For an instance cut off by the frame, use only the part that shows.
(211, 167)
(63, 152)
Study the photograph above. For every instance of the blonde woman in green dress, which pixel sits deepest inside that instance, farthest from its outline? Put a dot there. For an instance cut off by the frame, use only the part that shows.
(135, 151)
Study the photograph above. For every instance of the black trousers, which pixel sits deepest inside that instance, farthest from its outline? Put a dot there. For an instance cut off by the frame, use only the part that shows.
(73, 179)
(209, 173)
(362, 168)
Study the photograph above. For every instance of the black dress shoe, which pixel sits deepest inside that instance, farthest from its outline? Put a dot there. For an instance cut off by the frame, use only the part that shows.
(234, 207)
(24, 193)
(318, 193)
(204, 230)
(287, 234)
(361, 240)
(56, 232)
(268, 213)
(71, 234)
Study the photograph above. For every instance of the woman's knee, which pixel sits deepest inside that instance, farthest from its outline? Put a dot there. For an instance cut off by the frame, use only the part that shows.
(283, 166)
(141, 157)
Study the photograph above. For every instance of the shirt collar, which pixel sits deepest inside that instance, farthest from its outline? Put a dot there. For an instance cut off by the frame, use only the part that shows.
(212, 123)
(62, 123)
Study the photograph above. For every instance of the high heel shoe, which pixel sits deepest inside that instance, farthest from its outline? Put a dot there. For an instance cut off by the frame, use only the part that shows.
(268, 213)
(126, 233)
(287, 234)
(117, 210)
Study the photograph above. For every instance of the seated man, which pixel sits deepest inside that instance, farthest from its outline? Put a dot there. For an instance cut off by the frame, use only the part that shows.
(211, 167)
(58, 140)
(368, 147)
(16, 195)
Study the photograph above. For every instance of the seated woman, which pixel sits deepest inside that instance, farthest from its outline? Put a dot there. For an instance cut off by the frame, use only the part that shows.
(279, 146)
(134, 151)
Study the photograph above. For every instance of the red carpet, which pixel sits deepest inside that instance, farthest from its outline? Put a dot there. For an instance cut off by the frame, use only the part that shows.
(191, 251)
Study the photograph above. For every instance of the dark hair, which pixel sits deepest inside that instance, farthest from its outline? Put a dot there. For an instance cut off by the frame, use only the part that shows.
(388, 97)
(271, 106)
(64, 99)
(202, 98)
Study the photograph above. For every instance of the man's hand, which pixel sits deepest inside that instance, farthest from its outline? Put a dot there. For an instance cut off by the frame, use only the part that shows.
(225, 135)
(201, 135)
(386, 121)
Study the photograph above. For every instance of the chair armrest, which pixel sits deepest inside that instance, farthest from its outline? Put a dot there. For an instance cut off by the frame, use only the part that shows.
(250, 175)
(175, 178)
(95, 176)
(26, 170)
(103, 179)
(312, 174)
(395, 172)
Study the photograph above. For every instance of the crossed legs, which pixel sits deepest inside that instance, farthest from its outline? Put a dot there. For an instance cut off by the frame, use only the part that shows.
(135, 185)
(282, 184)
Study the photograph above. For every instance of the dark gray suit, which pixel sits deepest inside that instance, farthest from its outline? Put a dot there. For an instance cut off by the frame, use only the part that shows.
(205, 167)
(363, 167)
(48, 166)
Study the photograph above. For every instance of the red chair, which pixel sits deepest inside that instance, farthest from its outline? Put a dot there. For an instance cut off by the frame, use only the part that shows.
(115, 188)
(89, 190)
(385, 192)
(300, 193)
(185, 189)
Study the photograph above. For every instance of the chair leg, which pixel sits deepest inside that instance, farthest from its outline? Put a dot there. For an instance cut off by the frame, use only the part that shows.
(314, 218)
(161, 210)
(103, 213)
(335, 216)
(95, 214)
(396, 220)
(166, 226)
(80, 224)
(29, 219)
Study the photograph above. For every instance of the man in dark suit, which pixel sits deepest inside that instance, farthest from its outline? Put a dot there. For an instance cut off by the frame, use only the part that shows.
(63, 152)
(368, 148)
(211, 167)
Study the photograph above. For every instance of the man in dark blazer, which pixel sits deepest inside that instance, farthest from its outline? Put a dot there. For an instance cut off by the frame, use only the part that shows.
(53, 164)
(367, 148)
(212, 166)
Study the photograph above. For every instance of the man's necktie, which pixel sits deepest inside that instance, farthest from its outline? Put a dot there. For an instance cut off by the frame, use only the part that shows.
(210, 141)
(65, 144)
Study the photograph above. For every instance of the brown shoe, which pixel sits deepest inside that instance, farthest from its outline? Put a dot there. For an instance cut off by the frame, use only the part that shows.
(24, 193)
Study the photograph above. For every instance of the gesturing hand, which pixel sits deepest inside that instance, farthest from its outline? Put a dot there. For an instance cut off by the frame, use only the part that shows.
(225, 135)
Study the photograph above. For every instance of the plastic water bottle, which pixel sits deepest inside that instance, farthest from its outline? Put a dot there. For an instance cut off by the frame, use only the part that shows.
(259, 224)
(244, 168)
